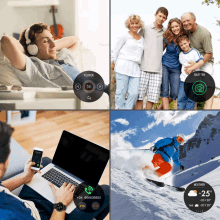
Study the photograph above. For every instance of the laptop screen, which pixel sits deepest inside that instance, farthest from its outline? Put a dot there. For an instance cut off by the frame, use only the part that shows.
(81, 157)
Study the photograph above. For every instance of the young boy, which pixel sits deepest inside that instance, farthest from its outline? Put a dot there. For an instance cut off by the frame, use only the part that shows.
(187, 55)
(151, 63)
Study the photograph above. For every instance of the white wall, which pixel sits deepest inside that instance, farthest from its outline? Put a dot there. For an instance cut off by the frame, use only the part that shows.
(92, 27)
(14, 19)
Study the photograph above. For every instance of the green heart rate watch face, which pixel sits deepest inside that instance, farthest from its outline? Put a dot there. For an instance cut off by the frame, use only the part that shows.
(199, 86)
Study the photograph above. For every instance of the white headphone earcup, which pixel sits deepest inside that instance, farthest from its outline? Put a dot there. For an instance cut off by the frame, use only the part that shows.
(32, 49)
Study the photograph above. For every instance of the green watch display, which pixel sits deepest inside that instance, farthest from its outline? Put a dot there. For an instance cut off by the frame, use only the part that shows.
(59, 206)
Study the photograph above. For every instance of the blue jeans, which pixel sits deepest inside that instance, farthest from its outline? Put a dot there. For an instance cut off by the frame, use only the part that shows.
(170, 78)
(126, 84)
(70, 70)
(183, 101)
(45, 207)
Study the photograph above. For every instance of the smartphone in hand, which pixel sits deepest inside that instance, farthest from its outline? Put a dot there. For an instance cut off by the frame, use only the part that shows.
(36, 157)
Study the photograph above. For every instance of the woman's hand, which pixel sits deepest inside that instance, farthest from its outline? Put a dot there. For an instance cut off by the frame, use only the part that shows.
(28, 172)
(64, 194)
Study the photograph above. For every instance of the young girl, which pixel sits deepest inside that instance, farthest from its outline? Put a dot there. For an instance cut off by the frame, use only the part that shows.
(171, 66)
(126, 59)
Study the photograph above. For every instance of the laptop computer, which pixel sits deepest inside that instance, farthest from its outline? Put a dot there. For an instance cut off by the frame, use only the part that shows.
(76, 160)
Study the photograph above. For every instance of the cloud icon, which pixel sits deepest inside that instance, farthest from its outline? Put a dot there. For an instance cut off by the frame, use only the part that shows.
(196, 205)
(192, 193)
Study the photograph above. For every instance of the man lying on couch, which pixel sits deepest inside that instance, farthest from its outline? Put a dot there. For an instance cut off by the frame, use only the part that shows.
(34, 59)
(34, 206)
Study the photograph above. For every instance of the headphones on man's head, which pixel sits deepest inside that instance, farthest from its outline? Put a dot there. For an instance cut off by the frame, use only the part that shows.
(31, 48)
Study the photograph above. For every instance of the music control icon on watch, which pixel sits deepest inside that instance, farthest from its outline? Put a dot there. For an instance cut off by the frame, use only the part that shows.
(88, 86)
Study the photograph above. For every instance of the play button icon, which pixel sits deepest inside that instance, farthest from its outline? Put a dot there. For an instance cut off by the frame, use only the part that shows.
(99, 86)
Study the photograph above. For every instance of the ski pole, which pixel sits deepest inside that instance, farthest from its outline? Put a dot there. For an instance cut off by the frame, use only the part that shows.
(174, 174)
(132, 149)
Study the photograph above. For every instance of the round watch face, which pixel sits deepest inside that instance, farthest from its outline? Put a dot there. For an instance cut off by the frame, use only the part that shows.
(59, 206)
(88, 86)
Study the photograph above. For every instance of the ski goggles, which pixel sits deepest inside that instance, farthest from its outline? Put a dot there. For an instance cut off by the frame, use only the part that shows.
(180, 139)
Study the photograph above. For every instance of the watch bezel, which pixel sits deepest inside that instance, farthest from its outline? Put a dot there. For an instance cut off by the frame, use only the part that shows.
(57, 206)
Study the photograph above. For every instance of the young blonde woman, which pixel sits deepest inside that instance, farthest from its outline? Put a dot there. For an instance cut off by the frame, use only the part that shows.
(171, 67)
(126, 59)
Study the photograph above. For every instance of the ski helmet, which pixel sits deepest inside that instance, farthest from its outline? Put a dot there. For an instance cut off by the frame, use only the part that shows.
(182, 136)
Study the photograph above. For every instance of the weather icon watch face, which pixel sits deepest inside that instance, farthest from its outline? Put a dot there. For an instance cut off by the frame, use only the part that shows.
(199, 197)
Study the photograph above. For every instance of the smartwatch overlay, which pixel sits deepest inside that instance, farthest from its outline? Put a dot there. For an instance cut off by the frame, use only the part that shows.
(87, 198)
(88, 86)
(199, 86)
(199, 197)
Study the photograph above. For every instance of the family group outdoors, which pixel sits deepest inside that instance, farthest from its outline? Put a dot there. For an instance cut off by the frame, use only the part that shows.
(143, 69)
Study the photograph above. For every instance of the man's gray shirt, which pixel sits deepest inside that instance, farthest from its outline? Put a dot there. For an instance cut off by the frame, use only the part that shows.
(153, 49)
(46, 73)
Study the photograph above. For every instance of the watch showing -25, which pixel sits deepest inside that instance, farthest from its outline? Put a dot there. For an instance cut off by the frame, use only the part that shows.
(59, 206)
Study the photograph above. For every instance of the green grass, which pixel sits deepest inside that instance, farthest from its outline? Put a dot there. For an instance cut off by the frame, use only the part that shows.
(171, 105)
(200, 105)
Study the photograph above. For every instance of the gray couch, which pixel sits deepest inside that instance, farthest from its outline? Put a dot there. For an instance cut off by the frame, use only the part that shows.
(17, 159)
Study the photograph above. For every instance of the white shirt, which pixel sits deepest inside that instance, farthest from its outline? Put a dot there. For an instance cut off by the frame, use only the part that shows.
(193, 55)
(127, 55)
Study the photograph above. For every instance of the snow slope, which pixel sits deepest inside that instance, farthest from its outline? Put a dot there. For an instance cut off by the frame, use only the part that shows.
(134, 198)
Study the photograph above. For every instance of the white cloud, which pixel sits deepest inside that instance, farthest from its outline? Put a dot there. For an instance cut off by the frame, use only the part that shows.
(145, 141)
(128, 132)
(122, 121)
(192, 193)
(168, 117)
(119, 138)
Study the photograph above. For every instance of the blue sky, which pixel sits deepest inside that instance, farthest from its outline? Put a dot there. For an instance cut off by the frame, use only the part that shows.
(141, 128)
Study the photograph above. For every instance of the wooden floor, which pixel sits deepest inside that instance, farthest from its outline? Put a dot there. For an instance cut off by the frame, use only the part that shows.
(46, 131)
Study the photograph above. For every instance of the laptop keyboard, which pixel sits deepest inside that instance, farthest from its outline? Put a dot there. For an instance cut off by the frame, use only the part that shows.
(57, 178)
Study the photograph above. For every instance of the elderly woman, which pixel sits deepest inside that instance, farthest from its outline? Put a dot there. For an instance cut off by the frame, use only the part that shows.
(126, 59)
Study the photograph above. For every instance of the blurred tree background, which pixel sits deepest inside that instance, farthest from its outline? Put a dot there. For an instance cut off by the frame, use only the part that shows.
(208, 2)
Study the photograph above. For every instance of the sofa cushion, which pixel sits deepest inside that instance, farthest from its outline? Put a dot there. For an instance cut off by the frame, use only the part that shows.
(17, 159)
